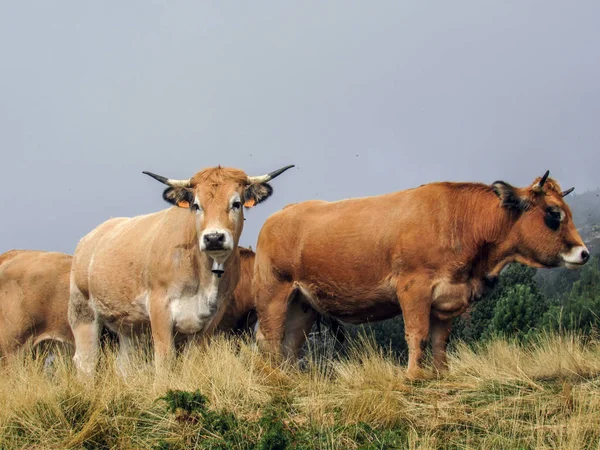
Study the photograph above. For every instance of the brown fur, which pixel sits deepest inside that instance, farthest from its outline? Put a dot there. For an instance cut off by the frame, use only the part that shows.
(425, 252)
(34, 296)
(240, 315)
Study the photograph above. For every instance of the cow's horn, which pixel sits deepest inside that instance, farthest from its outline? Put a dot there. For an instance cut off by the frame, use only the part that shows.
(269, 176)
(538, 187)
(567, 192)
(168, 181)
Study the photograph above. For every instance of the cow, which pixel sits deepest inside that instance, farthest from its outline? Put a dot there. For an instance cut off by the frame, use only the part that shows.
(168, 272)
(240, 316)
(34, 297)
(426, 252)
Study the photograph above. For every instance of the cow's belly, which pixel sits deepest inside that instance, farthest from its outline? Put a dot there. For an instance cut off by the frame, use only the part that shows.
(370, 305)
(118, 312)
(191, 314)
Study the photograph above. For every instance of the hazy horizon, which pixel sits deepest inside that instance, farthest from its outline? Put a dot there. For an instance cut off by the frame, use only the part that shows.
(364, 99)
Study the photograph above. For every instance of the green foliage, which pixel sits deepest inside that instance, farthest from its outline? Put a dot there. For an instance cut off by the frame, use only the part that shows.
(519, 312)
(389, 334)
(276, 436)
(219, 429)
(474, 325)
(580, 308)
(186, 402)
(270, 432)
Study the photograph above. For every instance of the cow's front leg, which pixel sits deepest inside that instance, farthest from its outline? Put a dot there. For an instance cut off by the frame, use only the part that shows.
(440, 331)
(161, 324)
(415, 302)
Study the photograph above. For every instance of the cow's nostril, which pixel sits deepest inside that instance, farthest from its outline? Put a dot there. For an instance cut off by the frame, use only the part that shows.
(214, 241)
(585, 255)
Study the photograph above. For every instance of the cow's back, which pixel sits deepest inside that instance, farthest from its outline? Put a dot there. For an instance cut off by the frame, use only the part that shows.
(34, 295)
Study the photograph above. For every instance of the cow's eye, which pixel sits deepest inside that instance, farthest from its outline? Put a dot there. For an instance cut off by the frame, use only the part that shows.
(236, 205)
(553, 218)
(196, 207)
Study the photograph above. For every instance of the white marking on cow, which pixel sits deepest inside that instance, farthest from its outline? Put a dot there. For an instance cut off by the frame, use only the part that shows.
(191, 314)
(574, 256)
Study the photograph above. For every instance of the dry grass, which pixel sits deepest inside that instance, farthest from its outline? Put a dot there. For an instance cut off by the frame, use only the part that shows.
(500, 395)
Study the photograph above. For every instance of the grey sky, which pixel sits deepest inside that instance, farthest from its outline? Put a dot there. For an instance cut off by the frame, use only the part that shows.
(364, 97)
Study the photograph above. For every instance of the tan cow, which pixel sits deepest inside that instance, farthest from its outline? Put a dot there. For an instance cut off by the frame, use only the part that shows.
(34, 296)
(170, 270)
(426, 252)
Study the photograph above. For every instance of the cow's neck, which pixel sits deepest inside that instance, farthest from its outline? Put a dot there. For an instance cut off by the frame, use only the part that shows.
(488, 229)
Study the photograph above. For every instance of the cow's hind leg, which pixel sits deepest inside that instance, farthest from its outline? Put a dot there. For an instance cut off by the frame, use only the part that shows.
(299, 321)
(86, 330)
(271, 310)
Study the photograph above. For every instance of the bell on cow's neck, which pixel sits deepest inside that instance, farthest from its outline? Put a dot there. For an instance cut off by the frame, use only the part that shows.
(218, 269)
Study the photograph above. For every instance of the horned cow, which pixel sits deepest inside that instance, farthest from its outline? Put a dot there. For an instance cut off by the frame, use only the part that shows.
(425, 252)
(170, 271)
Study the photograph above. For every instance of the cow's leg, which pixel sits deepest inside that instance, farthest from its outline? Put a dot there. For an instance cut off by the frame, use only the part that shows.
(415, 302)
(86, 331)
(162, 332)
(272, 312)
(299, 321)
(127, 340)
(440, 331)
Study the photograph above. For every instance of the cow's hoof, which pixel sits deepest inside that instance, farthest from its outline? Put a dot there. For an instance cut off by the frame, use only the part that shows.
(418, 374)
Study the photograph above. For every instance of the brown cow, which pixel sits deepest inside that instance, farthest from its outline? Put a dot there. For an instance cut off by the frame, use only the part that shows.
(171, 270)
(426, 252)
(34, 296)
(240, 315)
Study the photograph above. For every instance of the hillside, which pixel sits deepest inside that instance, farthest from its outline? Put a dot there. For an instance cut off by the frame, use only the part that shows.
(586, 214)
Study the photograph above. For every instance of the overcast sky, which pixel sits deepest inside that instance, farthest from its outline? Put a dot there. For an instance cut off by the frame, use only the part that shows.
(364, 97)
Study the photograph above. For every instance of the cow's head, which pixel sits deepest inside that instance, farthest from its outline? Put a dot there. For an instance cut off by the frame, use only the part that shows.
(216, 196)
(544, 234)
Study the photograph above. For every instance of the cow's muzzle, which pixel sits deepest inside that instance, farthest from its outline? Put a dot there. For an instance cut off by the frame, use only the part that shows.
(576, 257)
(214, 241)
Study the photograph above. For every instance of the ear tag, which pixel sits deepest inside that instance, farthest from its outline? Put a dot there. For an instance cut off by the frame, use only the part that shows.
(183, 204)
(250, 203)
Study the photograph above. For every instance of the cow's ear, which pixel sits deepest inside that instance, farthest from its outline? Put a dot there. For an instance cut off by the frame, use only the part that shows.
(256, 193)
(511, 197)
(179, 196)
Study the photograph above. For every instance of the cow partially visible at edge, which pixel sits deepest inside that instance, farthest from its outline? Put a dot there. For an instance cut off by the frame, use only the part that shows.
(425, 252)
(34, 297)
(171, 270)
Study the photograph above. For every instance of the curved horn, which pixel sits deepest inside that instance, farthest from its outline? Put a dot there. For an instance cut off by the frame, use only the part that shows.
(269, 176)
(538, 187)
(567, 192)
(169, 182)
